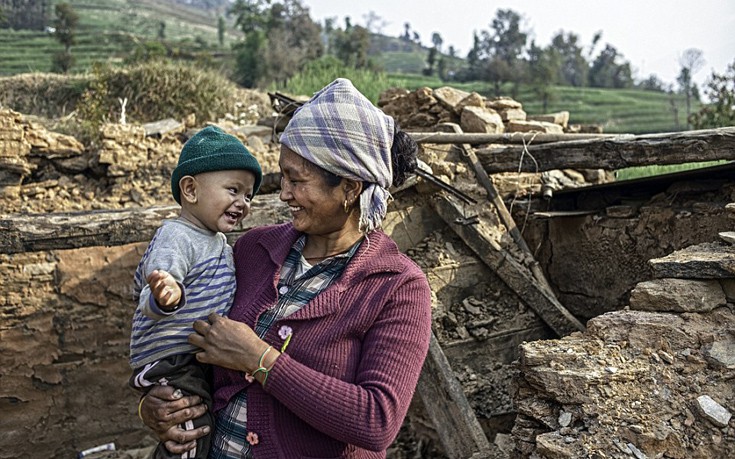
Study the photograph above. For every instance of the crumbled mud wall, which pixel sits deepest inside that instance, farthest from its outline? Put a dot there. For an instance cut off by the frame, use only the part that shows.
(64, 327)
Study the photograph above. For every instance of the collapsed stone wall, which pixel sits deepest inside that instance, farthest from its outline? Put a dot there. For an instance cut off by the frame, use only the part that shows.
(653, 380)
(594, 261)
(43, 171)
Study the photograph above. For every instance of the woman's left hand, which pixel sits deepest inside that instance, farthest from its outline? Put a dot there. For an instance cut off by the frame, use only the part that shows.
(227, 343)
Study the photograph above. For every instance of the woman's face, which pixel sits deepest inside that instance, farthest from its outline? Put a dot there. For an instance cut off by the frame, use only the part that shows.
(317, 208)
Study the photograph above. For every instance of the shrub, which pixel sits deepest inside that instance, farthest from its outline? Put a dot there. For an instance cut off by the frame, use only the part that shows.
(318, 73)
(156, 90)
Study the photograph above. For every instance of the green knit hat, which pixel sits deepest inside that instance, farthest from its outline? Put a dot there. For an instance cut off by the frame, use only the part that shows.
(211, 150)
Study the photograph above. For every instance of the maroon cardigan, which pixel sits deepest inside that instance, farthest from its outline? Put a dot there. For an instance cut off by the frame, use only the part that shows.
(344, 384)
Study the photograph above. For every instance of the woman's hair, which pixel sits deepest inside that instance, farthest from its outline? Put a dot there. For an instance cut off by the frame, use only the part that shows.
(403, 156)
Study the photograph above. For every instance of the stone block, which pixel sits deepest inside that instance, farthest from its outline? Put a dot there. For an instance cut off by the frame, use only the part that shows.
(677, 295)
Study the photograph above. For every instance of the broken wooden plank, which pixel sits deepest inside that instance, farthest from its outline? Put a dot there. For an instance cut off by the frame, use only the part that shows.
(505, 265)
(476, 138)
(614, 153)
(453, 418)
(70, 230)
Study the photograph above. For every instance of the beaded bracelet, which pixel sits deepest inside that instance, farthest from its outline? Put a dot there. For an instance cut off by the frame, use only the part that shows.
(261, 368)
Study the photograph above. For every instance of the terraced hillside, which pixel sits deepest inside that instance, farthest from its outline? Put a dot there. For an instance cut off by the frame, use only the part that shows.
(109, 30)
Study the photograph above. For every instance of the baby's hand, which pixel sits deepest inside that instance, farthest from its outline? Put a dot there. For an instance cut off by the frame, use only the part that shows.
(164, 289)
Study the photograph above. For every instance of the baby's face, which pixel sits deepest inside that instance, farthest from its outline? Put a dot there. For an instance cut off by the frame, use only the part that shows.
(222, 199)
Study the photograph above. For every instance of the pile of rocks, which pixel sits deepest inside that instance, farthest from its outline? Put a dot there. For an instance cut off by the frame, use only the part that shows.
(424, 108)
(654, 380)
(43, 171)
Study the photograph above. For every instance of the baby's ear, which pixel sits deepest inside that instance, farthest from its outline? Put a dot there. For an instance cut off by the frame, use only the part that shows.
(188, 187)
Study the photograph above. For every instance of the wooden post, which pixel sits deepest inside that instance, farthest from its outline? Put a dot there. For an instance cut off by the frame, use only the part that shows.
(454, 419)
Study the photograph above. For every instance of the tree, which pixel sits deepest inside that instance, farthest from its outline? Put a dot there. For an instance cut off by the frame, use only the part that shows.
(162, 30)
(574, 66)
(279, 39)
(430, 61)
(652, 83)
(437, 40)
(720, 90)
(501, 49)
(608, 72)
(691, 61)
(221, 30)
(406, 31)
(351, 46)
(374, 23)
(543, 67)
(66, 27)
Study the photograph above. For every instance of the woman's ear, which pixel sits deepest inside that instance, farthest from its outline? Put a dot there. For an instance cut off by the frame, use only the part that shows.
(352, 189)
(188, 188)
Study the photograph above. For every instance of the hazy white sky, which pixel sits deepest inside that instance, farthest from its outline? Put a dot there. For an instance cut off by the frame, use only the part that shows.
(651, 34)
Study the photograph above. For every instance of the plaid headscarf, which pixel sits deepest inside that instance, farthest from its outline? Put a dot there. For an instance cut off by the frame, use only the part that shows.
(341, 131)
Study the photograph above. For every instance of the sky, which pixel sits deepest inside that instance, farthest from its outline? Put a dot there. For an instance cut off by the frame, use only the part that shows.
(650, 34)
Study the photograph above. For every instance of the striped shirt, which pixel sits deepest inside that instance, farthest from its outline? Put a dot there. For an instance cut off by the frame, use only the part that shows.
(299, 283)
(201, 262)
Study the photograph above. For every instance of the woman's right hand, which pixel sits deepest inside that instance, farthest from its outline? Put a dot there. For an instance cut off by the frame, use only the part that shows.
(164, 408)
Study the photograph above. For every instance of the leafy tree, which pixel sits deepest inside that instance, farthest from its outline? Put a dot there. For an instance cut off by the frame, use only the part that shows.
(351, 46)
(574, 66)
(3, 17)
(652, 83)
(406, 31)
(162, 30)
(502, 49)
(607, 72)
(437, 40)
(66, 27)
(543, 65)
(221, 30)
(720, 89)
(691, 61)
(430, 61)
(279, 39)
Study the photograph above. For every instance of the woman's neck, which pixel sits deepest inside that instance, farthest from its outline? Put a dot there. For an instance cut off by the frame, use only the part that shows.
(321, 247)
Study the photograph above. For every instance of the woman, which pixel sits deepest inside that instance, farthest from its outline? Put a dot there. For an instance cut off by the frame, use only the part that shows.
(324, 344)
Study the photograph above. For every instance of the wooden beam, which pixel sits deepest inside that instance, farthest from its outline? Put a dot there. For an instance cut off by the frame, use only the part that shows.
(70, 230)
(454, 419)
(615, 152)
(505, 265)
(476, 138)
(467, 153)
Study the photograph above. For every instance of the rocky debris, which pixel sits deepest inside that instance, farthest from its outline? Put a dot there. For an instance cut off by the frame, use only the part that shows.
(712, 411)
(710, 260)
(677, 295)
(43, 171)
(424, 108)
(637, 383)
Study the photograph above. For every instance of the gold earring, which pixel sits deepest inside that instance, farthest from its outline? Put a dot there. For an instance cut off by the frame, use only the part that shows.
(346, 206)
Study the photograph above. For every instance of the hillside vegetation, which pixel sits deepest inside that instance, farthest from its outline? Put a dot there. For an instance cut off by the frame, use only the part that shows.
(110, 30)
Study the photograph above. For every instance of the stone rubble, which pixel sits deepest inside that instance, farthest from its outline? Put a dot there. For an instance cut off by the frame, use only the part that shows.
(640, 382)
